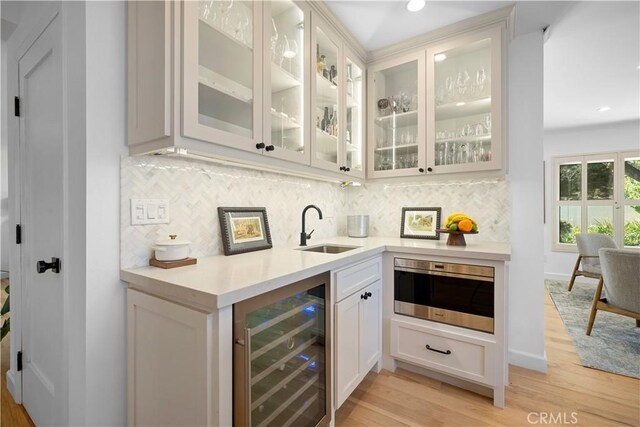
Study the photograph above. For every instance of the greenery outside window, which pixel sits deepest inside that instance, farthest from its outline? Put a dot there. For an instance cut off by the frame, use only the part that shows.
(598, 193)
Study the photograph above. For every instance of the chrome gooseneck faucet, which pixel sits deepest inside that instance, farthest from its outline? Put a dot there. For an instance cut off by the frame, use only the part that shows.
(303, 235)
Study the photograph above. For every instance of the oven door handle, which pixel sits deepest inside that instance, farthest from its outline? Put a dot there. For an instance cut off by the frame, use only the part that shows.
(436, 350)
(445, 274)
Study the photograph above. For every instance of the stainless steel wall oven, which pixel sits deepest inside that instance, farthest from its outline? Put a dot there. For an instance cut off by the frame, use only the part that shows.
(457, 294)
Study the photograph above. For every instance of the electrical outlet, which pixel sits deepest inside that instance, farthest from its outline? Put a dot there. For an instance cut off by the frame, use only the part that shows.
(149, 211)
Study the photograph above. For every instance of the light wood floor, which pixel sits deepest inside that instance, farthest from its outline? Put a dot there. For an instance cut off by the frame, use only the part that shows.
(397, 399)
(597, 398)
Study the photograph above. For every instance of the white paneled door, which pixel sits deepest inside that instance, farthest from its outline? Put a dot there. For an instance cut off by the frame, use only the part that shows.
(41, 163)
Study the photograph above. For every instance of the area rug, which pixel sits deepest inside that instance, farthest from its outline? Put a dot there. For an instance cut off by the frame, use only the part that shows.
(614, 344)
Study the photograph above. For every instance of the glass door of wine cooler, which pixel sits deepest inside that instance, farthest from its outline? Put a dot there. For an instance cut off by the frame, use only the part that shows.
(281, 357)
(464, 104)
(396, 132)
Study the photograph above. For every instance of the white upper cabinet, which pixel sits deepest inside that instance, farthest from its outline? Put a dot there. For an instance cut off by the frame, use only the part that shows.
(354, 116)
(287, 69)
(326, 90)
(222, 72)
(246, 68)
(396, 116)
(439, 109)
(464, 103)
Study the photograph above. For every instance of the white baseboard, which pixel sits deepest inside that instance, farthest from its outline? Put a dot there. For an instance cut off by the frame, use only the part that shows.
(11, 386)
(528, 360)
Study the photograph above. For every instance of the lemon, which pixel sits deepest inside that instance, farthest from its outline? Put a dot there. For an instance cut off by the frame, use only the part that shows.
(453, 227)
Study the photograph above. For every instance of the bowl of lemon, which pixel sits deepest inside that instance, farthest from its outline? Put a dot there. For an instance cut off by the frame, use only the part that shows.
(457, 225)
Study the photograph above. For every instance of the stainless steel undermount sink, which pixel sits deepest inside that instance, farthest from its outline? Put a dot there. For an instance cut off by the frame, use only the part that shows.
(329, 249)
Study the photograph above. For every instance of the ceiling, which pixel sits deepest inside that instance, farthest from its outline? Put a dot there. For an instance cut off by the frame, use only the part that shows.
(589, 61)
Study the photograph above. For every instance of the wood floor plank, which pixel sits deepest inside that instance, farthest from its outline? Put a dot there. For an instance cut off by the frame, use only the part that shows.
(596, 397)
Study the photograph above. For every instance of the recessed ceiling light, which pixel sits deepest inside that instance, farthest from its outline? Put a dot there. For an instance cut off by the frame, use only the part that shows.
(604, 108)
(460, 104)
(440, 57)
(415, 5)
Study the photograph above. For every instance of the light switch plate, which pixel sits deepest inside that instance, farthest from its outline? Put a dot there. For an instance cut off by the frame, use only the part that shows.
(149, 211)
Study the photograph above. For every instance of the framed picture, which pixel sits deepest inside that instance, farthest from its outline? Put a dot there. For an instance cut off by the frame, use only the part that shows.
(420, 223)
(244, 230)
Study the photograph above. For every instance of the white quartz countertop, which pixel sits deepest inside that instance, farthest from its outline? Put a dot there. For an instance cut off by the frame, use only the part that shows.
(219, 281)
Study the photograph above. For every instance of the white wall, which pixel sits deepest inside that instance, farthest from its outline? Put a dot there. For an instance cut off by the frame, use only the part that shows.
(526, 281)
(106, 395)
(575, 141)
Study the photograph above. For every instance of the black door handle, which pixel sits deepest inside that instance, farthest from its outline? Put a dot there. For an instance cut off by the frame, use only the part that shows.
(54, 265)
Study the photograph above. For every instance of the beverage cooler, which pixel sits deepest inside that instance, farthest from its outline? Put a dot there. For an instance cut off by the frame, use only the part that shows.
(281, 356)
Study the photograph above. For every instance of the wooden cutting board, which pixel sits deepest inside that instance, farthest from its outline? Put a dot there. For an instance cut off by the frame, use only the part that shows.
(173, 264)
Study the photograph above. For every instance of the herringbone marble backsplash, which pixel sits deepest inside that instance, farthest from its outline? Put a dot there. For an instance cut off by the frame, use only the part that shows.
(195, 190)
(487, 201)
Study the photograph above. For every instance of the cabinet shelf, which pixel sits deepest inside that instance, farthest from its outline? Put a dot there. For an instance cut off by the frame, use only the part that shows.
(326, 91)
(230, 37)
(225, 85)
(282, 80)
(478, 138)
(283, 121)
(409, 118)
(397, 147)
(470, 108)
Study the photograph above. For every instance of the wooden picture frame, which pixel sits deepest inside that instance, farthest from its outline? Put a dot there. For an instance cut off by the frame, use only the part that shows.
(244, 230)
(420, 223)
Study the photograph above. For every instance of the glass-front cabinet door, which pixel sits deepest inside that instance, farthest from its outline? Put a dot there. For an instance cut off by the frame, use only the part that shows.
(354, 129)
(222, 72)
(396, 105)
(286, 74)
(326, 90)
(464, 104)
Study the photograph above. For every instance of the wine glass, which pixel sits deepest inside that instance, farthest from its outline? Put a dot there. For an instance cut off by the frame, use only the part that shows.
(450, 86)
(487, 122)
(207, 12)
(480, 80)
(224, 6)
(462, 82)
(274, 39)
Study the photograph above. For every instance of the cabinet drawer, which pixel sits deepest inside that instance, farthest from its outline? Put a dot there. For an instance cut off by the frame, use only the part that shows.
(469, 357)
(356, 277)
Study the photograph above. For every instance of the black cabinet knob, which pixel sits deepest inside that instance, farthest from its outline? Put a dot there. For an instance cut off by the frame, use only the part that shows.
(260, 145)
(429, 169)
(342, 168)
(421, 170)
(369, 294)
(364, 296)
(270, 147)
(347, 169)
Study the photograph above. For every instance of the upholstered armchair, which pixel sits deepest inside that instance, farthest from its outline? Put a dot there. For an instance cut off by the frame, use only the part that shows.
(621, 279)
(588, 264)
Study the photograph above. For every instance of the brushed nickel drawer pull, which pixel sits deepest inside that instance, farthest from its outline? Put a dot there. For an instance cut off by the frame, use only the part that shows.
(437, 351)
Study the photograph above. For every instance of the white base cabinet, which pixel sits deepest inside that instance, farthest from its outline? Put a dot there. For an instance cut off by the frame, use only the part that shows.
(358, 327)
(169, 363)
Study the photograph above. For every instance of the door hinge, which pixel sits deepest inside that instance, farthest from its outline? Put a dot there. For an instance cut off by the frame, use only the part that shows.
(16, 106)
(19, 360)
(18, 234)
